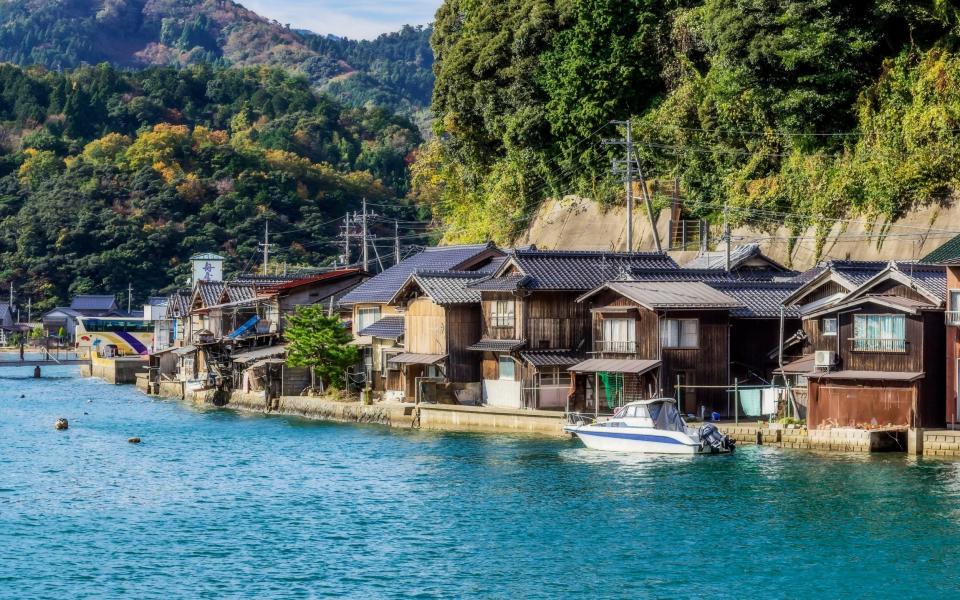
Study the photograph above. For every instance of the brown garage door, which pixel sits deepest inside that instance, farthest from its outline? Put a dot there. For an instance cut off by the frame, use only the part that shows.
(847, 406)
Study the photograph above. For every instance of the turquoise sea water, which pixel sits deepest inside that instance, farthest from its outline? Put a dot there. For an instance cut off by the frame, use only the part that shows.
(217, 504)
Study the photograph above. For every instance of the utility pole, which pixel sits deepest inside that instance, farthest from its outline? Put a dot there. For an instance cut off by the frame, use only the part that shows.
(346, 239)
(626, 167)
(726, 232)
(129, 297)
(266, 246)
(364, 234)
(29, 311)
(11, 295)
(396, 242)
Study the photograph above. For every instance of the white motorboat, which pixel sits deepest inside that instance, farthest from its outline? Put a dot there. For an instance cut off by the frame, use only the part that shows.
(652, 426)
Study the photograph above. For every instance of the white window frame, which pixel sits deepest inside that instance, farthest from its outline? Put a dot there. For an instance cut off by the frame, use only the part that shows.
(681, 324)
(503, 313)
(613, 343)
(513, 366)
(879, 344)
(362, 312)
(823, 326)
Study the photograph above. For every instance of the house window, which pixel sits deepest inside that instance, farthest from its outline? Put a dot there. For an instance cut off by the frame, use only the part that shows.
(503, 313)
(367, 317)
(879, 333)
(679, 333)
(953, 308)
(508, 369)
(829, 326)
(619, 335)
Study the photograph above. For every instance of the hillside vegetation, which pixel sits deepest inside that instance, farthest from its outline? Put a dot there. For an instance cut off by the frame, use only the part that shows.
(111, 177)
(393, 71)
(791, 111)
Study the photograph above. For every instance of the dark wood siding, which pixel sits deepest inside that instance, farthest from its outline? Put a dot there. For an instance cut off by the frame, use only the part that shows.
(708, 364)
(910, 361)
(556, 320)
(486, 315)
(751, 340)
(825, 290)
(463, 330)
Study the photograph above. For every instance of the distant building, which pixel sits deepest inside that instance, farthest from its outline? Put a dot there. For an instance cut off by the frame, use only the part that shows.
(89, 305)
(61, 318)
(207, 266)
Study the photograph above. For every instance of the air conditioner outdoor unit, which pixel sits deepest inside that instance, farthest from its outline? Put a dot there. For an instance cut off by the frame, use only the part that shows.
(825, 359)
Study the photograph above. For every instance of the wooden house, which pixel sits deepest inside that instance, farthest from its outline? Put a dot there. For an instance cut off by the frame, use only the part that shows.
(369, 302)
(877, 349)
(649, 337)
(441, 320)
(947, 257)
(533, 328)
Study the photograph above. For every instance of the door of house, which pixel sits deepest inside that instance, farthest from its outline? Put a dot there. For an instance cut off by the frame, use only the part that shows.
(687, 396)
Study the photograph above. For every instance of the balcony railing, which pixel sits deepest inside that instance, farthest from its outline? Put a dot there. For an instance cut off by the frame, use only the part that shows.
(615, 346)
(878, 345)
(952, 317)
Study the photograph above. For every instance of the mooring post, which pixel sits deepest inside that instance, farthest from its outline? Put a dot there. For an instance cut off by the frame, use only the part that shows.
(36, 372)
(736, 401)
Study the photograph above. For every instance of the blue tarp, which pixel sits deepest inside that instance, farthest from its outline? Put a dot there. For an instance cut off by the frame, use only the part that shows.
(244, 328)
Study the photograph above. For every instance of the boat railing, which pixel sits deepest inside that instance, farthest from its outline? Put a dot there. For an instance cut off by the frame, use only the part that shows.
(580, 419)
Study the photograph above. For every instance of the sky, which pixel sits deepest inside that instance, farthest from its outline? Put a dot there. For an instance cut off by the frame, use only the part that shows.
(357, 19)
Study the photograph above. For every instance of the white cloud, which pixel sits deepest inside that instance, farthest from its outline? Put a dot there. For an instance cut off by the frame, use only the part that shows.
(361, 19)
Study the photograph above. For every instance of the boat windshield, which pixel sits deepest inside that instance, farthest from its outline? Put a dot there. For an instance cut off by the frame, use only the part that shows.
(666, 417)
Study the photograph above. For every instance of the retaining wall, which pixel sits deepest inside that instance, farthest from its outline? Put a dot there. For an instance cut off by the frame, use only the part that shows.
(115, 370)
(941, 442)
(444, 417)
(845, 439)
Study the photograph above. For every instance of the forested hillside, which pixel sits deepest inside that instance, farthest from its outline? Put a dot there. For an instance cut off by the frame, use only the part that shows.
(393, 71)
(110, 177)
(791, 111)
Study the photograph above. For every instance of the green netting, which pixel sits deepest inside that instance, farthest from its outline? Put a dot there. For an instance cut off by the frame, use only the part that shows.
(613, 387)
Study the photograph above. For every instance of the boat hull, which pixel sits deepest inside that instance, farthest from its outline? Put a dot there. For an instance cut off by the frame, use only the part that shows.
(648, 441)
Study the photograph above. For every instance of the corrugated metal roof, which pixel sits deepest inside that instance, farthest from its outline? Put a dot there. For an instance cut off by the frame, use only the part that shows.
(490, 345)
(582, 270)
(382, 287)
(671, 294)
(389, 328)
(615, 365)
(258, 353)
(801, 366)
(411, 358)
(869, 375)
(552, 358)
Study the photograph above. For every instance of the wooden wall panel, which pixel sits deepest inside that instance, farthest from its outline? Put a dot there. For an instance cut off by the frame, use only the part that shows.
(910, 361)
(708, 364)
(426, 327)
(463, 324)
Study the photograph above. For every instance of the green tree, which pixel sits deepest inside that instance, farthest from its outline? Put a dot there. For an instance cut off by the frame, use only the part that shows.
(320, 342)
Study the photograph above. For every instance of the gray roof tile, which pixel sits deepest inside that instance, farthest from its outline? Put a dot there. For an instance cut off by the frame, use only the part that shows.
(382, 287)
(449, 287)
(491, 345)
(760, 299)
(582, 270)
(390, 328)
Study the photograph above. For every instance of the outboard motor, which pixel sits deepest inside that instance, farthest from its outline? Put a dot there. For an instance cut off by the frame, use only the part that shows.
(711, 436)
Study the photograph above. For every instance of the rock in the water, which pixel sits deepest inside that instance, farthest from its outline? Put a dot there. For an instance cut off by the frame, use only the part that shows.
(134, 440)
(61, 424)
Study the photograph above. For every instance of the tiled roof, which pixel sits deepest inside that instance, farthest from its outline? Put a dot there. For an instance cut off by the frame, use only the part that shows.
(739, 255)
(157, 301)
(91, 302)
(552, 358)
(382, 287)
(237, 292)
(507, 283)
(855, 272)
(178, 304)
(582, 270)
(490, 345)
(449, 287)
(760, 299)
(389, 328)
(685, 274)
(933, 278)
(948, 253)
(670, 294)
(210, 291)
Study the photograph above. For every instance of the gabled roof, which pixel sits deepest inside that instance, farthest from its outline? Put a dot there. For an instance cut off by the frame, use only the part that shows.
(685, 274)
(382, 287)
(569, 270)
(929, 281)
(63, 310)
(443, 287)
(507, 283)
(178, 303)
(849, 274)
(759, 299)
(93, 302)
(901, 303)
(238, 292)
(739, 256)
(313, 279)
(655, 295)
(209, 292)
(389, 328)
(947, 254)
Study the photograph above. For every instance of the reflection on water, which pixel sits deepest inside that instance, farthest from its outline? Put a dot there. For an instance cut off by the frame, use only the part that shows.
(217, 503)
